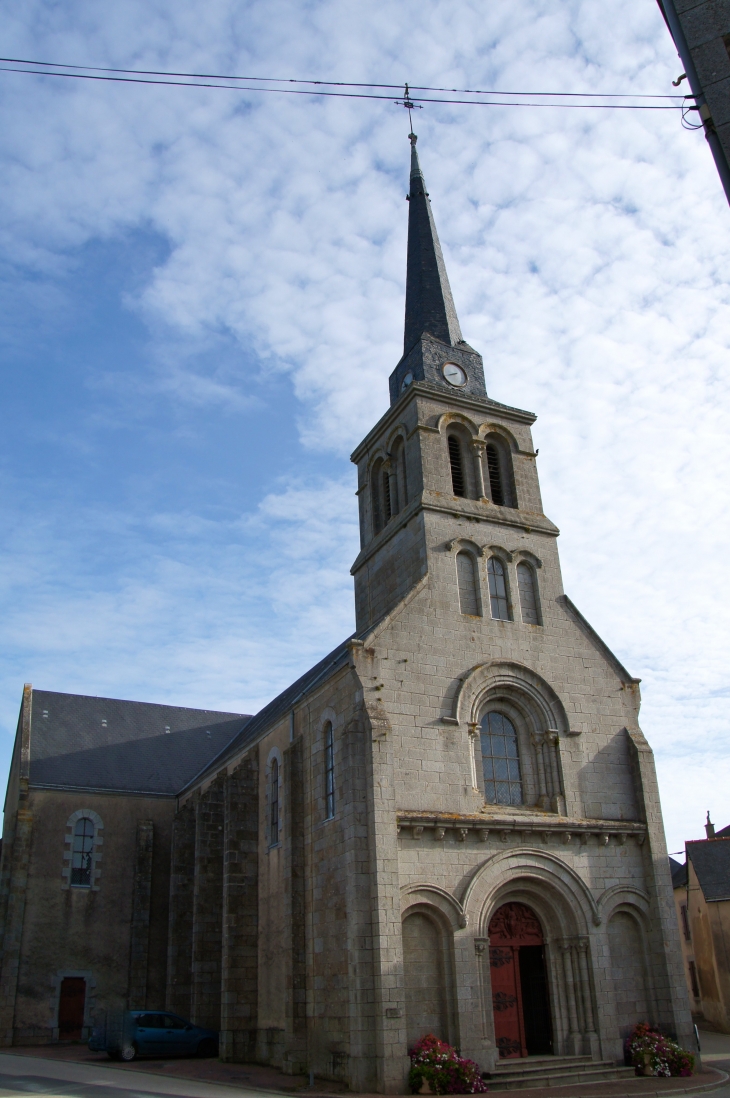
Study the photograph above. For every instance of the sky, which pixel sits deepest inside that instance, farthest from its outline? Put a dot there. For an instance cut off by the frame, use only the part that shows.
(201, 299)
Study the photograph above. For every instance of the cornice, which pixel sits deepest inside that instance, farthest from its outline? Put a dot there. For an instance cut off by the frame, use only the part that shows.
(457, 507)
(493, 823)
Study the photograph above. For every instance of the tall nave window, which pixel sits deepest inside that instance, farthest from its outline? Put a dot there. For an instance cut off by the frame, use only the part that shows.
(500, 760)
(81, 857)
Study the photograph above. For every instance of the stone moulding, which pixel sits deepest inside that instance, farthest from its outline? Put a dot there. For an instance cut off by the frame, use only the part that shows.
(576, 832)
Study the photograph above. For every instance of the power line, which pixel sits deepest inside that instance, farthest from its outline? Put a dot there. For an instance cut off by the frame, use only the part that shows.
(331, 83)
(141, 76)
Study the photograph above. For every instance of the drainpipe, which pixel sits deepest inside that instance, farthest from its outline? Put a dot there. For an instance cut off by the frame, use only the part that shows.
(671, 18)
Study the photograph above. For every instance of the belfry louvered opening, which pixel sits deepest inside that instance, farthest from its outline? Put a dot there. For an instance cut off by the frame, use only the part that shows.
(495, 474)
(456, 461)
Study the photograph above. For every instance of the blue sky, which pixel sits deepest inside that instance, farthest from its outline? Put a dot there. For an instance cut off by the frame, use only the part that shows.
(202, 299)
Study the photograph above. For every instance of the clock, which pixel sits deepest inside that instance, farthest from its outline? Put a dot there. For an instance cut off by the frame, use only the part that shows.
(454, 374)
(407, 380)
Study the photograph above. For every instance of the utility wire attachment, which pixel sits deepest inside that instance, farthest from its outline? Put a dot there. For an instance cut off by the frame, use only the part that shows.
(408, 103)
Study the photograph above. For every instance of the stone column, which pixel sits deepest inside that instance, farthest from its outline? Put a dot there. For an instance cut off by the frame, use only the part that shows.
(390, 470)
(140, 929)
(591, 1037)
(208, 907)
(478, 451)
(239, 960)
(538, 740)
(574, 1040)
(473, 734)
(180, 930)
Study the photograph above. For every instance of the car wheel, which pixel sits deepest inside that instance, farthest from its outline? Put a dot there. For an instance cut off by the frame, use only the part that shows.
(129, 1052)
(207, 1048)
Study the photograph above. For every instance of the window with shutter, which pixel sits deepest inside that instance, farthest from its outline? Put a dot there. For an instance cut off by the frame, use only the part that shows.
(376, 479)
(387, 502)
(498, 601)
(466, 576)
(527, 586)
(458, 481)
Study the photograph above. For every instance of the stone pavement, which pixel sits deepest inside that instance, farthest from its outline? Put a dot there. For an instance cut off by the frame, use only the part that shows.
(192, 1078)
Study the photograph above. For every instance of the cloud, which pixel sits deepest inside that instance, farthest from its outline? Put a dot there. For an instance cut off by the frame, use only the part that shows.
(587, 252)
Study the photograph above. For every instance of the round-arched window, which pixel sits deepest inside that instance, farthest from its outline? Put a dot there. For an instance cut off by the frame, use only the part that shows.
(500, 760)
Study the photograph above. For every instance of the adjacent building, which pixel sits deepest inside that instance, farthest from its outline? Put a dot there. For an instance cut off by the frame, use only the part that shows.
(702, 900)
(451, 824)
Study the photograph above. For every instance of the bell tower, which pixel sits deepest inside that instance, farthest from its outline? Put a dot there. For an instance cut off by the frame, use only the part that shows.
(445, 464)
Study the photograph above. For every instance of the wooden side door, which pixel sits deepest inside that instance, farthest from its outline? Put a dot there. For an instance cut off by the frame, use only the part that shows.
(71, 1003)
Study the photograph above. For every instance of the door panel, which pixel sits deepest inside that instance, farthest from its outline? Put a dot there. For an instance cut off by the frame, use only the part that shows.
(522, 1024)
(506, 1001)
(71, 1004)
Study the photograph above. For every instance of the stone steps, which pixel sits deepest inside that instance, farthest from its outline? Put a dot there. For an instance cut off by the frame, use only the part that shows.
(554, 1071)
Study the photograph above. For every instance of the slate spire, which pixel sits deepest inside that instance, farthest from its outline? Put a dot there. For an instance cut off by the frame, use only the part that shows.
(429, 304)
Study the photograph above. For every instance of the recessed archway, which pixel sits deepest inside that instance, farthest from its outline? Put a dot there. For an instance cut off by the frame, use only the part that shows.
(520, 998)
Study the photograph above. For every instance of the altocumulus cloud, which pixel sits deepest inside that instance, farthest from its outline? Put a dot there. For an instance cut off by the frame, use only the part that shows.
(586, 251)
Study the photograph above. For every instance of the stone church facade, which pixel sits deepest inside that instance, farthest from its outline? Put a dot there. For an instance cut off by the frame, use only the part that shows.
(452, 823)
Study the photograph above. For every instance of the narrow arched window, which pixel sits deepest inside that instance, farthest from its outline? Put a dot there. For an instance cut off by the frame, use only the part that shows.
(467, 581)
(500, 760)
(398, 461)
(456, 461)
(376, 487)
(274, 804)
(498, 601)
(527, 586)
(494, 468)
(387, 501)
(81, 857)
(329, 771)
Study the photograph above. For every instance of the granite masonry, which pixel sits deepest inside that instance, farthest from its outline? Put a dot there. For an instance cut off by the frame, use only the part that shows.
(451, 824)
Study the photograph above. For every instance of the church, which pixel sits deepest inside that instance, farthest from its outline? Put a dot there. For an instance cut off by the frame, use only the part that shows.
(449, 825)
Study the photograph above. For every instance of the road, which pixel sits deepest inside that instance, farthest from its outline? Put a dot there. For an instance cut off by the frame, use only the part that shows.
(22, 1075)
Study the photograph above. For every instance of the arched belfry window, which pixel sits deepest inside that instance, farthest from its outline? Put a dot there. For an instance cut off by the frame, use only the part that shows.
(456, 461)
(499, 476)
(82, 853)
(329, 771)
(386, 495)
(376, 496)
(398, 462)
(527, 586)
(500, 760)
(494, 468)
(274, 803)
(466, 576)
(498, 598)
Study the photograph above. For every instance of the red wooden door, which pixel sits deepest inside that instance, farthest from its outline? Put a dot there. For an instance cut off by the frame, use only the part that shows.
(71, 1008)
(512, 926)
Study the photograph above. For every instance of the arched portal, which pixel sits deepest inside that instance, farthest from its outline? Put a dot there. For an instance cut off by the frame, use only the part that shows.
(426, 983)
(519, 982)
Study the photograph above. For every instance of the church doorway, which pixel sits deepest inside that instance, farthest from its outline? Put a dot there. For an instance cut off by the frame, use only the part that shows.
(520, 999)
(71, 1004)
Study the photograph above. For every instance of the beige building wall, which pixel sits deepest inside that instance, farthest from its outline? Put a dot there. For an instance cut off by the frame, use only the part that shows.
(710, 929)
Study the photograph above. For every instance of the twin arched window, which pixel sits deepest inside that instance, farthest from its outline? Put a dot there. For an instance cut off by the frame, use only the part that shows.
(493, 473)
(498, 601)
(388, 486)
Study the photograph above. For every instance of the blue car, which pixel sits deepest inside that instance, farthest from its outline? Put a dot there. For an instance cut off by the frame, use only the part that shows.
(132, 1033)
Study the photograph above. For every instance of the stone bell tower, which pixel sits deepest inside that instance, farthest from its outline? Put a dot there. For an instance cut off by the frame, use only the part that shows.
(445, 462)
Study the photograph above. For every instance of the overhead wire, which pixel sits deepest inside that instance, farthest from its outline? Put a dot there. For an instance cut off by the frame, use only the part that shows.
(141, 76)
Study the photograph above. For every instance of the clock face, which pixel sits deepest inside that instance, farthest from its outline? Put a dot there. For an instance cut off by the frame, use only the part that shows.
(454, 374)
(407, 380)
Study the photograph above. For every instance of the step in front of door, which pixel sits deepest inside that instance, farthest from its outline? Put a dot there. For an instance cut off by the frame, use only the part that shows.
(555, 1071)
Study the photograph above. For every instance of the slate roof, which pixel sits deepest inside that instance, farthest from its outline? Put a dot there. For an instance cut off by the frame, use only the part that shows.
(280, 705)
(711, 861)
(679, 873)
(123, 746)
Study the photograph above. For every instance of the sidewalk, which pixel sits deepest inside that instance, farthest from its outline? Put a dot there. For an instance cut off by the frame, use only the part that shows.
(256, 1077)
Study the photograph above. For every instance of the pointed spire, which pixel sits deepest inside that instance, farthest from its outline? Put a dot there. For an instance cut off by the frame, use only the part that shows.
(429, 304)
